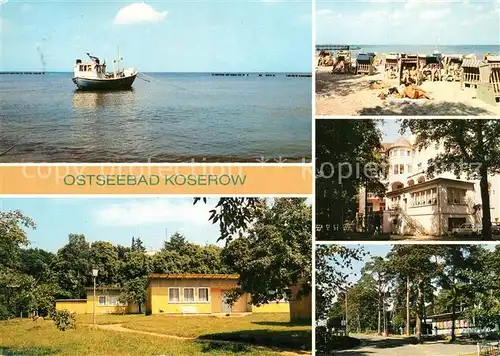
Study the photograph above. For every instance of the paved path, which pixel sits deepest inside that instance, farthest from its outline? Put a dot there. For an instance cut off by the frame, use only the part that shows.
(393, 346)
(120, 328)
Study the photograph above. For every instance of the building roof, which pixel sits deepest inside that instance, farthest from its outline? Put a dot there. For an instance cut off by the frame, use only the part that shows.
(401, 142)
(457, 313)
(103, 288)
(192, 276)
(71, 300)
(386, 146)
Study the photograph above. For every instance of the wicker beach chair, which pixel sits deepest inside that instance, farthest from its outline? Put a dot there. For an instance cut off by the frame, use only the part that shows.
(488, 88)
(364, 63)
(342, 63)
(470, 73)
(391, 66)
(452, 68)
(409, 63)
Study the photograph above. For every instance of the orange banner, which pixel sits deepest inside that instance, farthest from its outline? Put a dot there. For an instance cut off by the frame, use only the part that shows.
(257, 180)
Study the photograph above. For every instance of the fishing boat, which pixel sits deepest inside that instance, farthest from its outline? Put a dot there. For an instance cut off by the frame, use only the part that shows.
(92, 75)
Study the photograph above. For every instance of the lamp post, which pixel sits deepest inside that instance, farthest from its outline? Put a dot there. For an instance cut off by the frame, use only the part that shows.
(95, 271)
(346, 320)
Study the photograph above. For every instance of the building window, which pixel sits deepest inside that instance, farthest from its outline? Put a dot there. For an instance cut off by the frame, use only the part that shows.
(203, 294)
(456, 195)
(401, 169)
(173, 295)
(419, 166)
(188, 295)
(408, 153)
(112, 300)
(102, 300)
(424, 197)
(396, 169)
(401, 153)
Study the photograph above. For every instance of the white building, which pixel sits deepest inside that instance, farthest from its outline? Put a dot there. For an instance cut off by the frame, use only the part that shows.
(416, 205)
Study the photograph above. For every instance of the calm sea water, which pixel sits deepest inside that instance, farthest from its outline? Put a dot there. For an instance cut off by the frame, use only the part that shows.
(171, 118)
(479, 50)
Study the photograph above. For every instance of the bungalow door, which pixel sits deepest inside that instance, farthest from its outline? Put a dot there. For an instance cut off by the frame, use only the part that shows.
(226, 307)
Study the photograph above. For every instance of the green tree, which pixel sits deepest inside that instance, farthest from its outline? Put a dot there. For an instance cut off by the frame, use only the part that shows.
(379, 270)
(469, 146)
(275, 253)
(415, 264)
(137, 245)
(454, 276)
(234, 215)
(348, 159)
(74, 265)
(484, 294)
(333, 263)
(362, 302)
(134, 291)
(13, 237)
(133, 272)
(176, 242)
(13, 281)
(104, 256)
(39, 264)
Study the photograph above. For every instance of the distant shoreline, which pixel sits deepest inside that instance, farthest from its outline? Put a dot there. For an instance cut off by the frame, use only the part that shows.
(14, 72)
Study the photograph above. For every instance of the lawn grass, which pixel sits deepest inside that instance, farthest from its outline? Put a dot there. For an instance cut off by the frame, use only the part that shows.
(109, 318)
(25, 337)
(260, 329)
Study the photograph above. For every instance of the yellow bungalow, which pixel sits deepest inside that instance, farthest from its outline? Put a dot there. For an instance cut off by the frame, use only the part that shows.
(186, 294)
(107, 302)
(201, 294)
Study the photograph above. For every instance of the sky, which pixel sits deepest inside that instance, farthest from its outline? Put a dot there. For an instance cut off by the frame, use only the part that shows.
(115, 220)
(158, 36)
(405, 22)
(390, 129)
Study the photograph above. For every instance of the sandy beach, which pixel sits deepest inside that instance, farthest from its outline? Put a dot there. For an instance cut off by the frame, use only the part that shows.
(351, 95)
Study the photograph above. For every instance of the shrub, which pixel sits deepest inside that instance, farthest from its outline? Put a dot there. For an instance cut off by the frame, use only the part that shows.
(64, 320)
(4, 312)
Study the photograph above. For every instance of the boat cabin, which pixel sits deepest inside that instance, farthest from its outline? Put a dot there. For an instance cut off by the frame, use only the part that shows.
(93, 69)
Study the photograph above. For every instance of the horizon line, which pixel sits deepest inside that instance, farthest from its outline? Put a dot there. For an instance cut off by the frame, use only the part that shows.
(401, 44)
(211, 72)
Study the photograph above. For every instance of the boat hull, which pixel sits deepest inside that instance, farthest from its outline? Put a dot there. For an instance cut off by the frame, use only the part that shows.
(104, 84)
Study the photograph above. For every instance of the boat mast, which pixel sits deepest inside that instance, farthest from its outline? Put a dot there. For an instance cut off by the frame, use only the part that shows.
(118, 59)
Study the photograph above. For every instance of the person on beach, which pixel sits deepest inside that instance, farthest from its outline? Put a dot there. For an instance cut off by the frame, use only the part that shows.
(413, 74)
(406, 76)
(411, 91)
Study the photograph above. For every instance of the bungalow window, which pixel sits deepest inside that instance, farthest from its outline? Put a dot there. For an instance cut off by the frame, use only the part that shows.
(102, 300)
(112, 300)
(173, 295)
(203, 294)
(189, 294)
